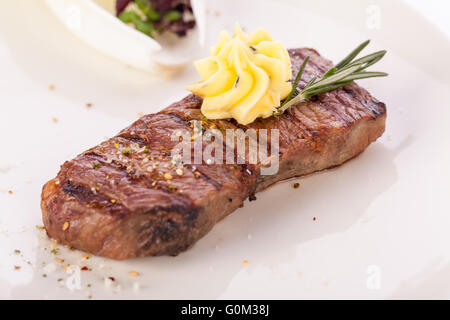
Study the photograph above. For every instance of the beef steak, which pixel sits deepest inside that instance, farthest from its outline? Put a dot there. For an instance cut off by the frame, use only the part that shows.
(124, 199)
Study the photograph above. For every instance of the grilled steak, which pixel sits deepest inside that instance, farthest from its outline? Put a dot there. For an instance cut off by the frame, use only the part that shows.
(124, 198)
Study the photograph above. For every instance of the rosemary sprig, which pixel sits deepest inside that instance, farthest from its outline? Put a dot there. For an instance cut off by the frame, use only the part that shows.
(338, 76)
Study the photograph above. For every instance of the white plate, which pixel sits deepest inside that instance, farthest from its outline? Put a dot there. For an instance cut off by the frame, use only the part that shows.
(382, 219)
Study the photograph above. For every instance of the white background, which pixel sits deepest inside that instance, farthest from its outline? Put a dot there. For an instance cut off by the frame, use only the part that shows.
(436, 11)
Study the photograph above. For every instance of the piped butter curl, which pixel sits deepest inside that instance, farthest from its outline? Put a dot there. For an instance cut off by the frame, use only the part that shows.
(245, 77)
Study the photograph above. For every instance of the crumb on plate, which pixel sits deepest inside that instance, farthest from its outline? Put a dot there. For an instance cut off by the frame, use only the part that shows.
(134, 273)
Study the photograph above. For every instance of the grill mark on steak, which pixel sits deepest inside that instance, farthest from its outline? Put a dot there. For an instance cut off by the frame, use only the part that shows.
(78, 191)
(178, 117)
(185, 118)
(147, 219)
(94, 200)
(205, 177)
(133, 139)
(98, 200)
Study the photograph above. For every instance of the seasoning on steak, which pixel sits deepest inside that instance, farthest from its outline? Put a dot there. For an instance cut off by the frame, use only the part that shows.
(122, 199)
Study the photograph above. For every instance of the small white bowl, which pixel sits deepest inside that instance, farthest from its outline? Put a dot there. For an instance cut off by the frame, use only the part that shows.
(95, 23)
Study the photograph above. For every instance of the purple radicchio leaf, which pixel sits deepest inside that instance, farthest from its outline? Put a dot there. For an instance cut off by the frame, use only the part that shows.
(121, 5)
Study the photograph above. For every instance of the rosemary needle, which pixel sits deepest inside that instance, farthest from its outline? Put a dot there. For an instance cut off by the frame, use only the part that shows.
(297, 79)
(352, 55)
(336, 77)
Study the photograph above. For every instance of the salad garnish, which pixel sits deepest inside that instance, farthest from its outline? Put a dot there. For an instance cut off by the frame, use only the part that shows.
(157, 16)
